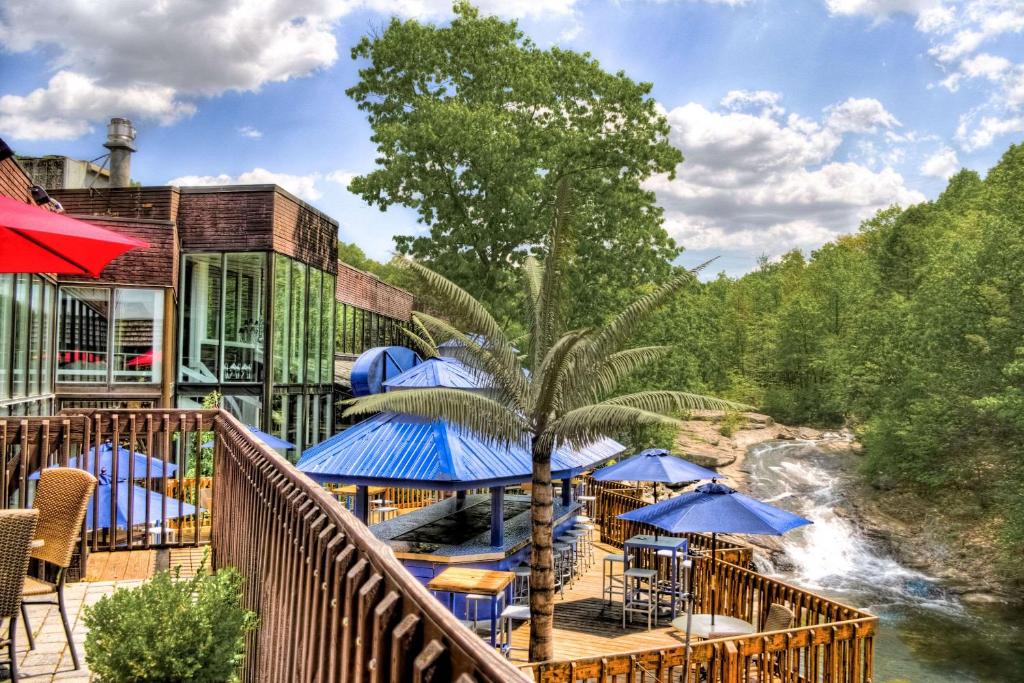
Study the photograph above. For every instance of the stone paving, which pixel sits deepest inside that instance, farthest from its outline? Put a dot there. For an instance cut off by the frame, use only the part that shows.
(51, 660)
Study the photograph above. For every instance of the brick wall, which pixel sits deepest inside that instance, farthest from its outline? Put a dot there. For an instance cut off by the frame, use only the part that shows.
(302, 232)
(365, 291)
(154, 266)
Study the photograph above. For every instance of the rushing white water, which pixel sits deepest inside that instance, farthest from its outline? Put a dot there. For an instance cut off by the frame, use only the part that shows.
(925, 633)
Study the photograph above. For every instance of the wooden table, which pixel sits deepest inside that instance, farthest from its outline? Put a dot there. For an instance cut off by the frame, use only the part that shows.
(724, 627)
(480, 581)
(678, 546)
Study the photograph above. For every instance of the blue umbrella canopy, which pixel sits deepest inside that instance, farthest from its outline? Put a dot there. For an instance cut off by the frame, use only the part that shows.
(105, 490)
(655, 464)
(402, 450)
(718, 509)
(124, 459)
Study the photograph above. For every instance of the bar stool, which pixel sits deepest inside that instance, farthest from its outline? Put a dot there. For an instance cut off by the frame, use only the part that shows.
(640, 588)
(563, 565)
(611, 585)
(666, 588)
(511, 614)
(521, 586)
(574, 558)
(589, 529)
(582, 547)
(588, 503)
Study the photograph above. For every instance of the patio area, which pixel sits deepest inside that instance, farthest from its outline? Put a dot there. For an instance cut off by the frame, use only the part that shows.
(50, 660)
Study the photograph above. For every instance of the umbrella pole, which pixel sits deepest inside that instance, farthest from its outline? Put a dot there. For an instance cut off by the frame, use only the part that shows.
(689, 618)
(714, 578)
(655, 502)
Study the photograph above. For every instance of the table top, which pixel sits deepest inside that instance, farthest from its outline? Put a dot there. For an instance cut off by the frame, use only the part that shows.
(724, 627)
(468, 580)
(587, 498)
(647, 541)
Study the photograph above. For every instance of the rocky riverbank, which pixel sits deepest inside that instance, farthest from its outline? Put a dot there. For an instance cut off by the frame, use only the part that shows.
(929, 536)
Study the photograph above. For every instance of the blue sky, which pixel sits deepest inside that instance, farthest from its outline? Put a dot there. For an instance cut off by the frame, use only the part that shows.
(798, 118)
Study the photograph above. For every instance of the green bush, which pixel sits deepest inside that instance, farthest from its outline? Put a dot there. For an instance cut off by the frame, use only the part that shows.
(731, 423)
(170, 629)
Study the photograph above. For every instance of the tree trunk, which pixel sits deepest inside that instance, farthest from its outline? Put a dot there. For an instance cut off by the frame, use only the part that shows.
(542, 575)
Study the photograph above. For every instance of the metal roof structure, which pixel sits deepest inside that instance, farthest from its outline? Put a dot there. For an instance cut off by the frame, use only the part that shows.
(439, 372)
(410, 452)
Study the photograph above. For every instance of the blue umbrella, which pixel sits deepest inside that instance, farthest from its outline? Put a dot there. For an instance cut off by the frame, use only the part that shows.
(105, 489)
(655, 465)
(124, 457)
(716, 509)
(269, 439)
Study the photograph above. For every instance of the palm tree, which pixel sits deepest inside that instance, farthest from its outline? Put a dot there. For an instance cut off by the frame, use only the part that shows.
(559, 391)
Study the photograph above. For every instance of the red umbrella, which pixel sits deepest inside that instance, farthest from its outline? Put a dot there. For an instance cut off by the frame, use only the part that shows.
(36, 241)
(144, 359)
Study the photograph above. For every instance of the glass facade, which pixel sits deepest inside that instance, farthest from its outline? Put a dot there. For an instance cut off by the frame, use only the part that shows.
(110, 335)
(359, 330)
(225, 340)
(26, 343)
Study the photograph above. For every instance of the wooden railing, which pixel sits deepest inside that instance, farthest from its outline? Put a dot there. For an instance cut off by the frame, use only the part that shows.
(829, 643)
(169, 437)
(334, 603)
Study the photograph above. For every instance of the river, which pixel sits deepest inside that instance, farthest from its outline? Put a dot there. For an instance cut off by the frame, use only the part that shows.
(925, 634)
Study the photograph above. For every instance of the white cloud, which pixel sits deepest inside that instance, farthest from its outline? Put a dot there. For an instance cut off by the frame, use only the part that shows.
(250, 132)
(768, 183)
(942, 164)
(340, 177)
(860, 115)
(881, 9)
(64, 109)
(303, 186)
(765, 101)
(154, 61)
(973, 137)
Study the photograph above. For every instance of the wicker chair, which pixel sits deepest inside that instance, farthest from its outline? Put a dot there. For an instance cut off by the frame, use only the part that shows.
(779, 618)
(17, 530)
(61, 498)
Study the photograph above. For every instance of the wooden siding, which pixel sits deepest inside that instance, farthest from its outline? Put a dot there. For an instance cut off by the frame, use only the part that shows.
(158, 202)
(14, 181)
(302, 232)
(226, 219)
(154, 266)
(367, 292)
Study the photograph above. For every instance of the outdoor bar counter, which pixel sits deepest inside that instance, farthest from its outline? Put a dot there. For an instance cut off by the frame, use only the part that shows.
(435, 537)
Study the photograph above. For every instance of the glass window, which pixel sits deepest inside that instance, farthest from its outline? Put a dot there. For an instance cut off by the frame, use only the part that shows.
(299, 310)
(247, 407)
(327, 331)
(313, 326)
(282, 280)
(6, 335)
(296, 408)
(326, 417)
(35, 336)
(279, 415)
(138, 335)
(22, 319)
(82, 336)
(46, 376)
(244, 294)
(200, 325)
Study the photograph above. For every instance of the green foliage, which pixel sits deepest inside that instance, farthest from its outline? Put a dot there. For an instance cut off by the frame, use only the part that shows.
(731, 423)
(210, 401)
(476, 126)
(170, 629)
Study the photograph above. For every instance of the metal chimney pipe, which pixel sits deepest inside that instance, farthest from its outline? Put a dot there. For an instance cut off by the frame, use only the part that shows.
(120, 135)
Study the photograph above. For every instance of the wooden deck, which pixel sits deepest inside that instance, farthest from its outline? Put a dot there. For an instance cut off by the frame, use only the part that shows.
(587, 626)
(139, 565)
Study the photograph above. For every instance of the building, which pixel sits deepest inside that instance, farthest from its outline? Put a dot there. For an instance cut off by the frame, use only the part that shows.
(65, 172)
(238, 294)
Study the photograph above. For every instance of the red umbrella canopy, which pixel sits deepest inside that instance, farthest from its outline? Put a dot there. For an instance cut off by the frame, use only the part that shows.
(36, 241)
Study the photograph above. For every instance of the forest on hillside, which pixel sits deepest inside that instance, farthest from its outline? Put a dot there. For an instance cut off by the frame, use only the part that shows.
(910, 331)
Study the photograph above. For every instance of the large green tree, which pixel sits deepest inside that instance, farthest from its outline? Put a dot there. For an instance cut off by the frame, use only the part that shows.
(475, 126)
(560, 391)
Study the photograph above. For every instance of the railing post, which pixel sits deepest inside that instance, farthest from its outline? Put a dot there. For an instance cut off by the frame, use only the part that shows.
(362, 503)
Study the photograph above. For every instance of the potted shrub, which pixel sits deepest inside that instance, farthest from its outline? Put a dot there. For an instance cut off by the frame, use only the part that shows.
(170, 629)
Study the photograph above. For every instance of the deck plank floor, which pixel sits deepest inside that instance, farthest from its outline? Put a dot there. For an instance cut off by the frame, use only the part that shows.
(587, 626)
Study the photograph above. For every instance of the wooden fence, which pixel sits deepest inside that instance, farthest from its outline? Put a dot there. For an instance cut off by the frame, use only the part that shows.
(334, 603)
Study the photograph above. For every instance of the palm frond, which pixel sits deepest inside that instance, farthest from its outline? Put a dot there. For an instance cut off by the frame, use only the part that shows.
(547, 381)
(590, 423)
(673, 402)
(476, 412)
(533, 278)
(586, 384)
(505, 371)
(614, 334)
(550, 300)
(422, 341)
